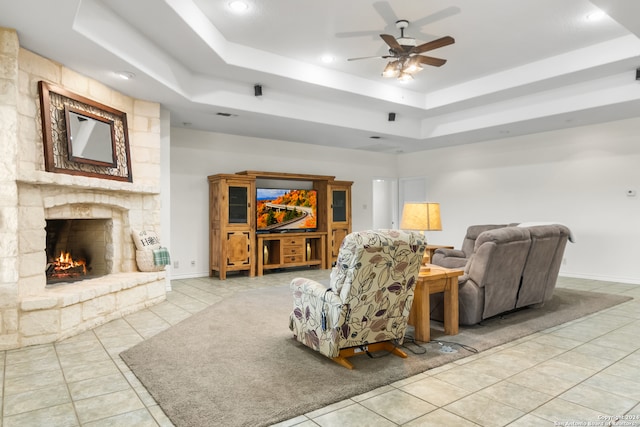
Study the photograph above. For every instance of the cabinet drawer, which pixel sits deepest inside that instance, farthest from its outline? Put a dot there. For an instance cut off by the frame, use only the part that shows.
(292, 259)
(292, 250)
(293, 241)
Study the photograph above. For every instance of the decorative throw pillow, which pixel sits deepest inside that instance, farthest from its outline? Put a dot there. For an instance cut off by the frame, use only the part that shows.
(145, 240)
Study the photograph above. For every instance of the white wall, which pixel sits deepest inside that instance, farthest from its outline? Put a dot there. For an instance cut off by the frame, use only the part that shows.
(165, 184)
(196, 154)
(384, 203)
(576, 176)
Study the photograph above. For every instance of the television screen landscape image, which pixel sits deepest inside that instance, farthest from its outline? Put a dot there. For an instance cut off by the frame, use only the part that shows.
(280, 210)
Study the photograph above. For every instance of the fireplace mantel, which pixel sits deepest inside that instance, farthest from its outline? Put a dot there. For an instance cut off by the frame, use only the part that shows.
(85, 183)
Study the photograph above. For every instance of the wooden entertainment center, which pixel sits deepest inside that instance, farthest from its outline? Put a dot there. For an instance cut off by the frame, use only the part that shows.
(234, 243)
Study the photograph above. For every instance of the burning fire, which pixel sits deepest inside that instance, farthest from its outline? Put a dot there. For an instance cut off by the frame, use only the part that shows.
(64, 262)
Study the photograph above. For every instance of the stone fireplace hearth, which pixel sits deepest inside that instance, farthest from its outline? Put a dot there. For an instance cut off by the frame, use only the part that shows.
(42, 213)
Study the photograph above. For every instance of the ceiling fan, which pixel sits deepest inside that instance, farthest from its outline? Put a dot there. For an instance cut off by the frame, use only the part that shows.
(405, 55)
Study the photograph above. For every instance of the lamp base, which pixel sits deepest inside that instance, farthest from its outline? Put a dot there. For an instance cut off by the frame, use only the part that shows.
(424, 269)
(426, 259)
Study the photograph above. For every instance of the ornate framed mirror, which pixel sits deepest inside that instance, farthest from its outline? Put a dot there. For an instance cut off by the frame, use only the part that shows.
(82, 136)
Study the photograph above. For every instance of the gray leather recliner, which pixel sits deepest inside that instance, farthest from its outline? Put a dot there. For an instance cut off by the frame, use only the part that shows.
(539, 277)
(509, 268)
(457, 258)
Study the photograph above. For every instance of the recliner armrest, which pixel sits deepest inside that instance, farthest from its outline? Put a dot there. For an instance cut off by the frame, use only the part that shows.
(457, 253)
(449, 258)
(312, 297)
(308, 286)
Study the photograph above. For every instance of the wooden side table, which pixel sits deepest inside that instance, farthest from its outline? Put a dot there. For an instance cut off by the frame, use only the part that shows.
(438, 279)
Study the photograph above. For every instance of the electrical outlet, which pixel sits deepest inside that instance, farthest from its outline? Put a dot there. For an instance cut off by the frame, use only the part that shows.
(176, 264)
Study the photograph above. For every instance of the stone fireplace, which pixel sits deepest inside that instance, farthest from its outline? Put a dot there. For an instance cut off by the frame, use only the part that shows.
(43, 213)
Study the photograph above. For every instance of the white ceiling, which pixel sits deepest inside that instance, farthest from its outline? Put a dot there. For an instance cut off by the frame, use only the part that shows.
(516, 67)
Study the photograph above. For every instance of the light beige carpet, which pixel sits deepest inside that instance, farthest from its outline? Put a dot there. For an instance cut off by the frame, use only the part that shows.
(236, 364)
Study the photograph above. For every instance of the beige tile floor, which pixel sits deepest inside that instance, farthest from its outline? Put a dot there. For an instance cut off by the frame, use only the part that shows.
(584, 371)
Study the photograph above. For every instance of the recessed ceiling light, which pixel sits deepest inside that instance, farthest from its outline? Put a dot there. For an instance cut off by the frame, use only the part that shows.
(596, 16)
(327, 59)
(125, 75)
(239, 6)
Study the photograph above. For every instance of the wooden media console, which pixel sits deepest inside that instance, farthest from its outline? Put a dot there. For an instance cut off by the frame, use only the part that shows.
(235, 244)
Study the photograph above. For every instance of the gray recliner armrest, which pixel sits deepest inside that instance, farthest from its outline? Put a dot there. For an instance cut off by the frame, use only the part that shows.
(449, 258)
(450, 252)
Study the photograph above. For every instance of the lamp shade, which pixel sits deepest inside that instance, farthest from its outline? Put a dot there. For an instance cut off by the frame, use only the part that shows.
(421, 216)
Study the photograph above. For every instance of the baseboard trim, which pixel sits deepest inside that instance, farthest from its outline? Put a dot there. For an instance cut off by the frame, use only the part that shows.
(627, 280)
(174, 276)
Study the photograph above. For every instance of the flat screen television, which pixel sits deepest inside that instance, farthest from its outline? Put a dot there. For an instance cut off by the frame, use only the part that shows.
(285, 210)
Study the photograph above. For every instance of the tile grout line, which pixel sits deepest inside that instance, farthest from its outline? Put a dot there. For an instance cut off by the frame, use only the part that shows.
(131, 386)
(66, 384)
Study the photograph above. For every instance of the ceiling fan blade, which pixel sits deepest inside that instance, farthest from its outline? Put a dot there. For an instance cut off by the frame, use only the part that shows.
(444, 41)
(367, 57)
(386, 12)
(429, 60)
(435, 17)
(392, 42)
(348, 34)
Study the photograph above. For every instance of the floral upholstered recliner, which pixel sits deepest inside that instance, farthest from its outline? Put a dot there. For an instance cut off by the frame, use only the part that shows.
(368, 300)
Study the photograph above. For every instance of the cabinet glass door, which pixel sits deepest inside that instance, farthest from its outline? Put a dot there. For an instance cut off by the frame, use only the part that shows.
(238, 198)
(339, 206)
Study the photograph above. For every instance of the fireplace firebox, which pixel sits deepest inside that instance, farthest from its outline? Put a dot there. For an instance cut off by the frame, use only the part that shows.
(78, 249)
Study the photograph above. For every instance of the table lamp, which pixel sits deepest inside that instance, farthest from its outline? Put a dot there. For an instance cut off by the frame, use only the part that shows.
(421, 216)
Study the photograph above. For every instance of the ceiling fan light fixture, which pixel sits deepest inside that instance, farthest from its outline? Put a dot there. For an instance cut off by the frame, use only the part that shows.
(411, 69)
(392, 69)
(405, 77)
(412, 66)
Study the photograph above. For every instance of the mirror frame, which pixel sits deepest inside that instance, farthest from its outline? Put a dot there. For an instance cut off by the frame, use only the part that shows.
(55, 105)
